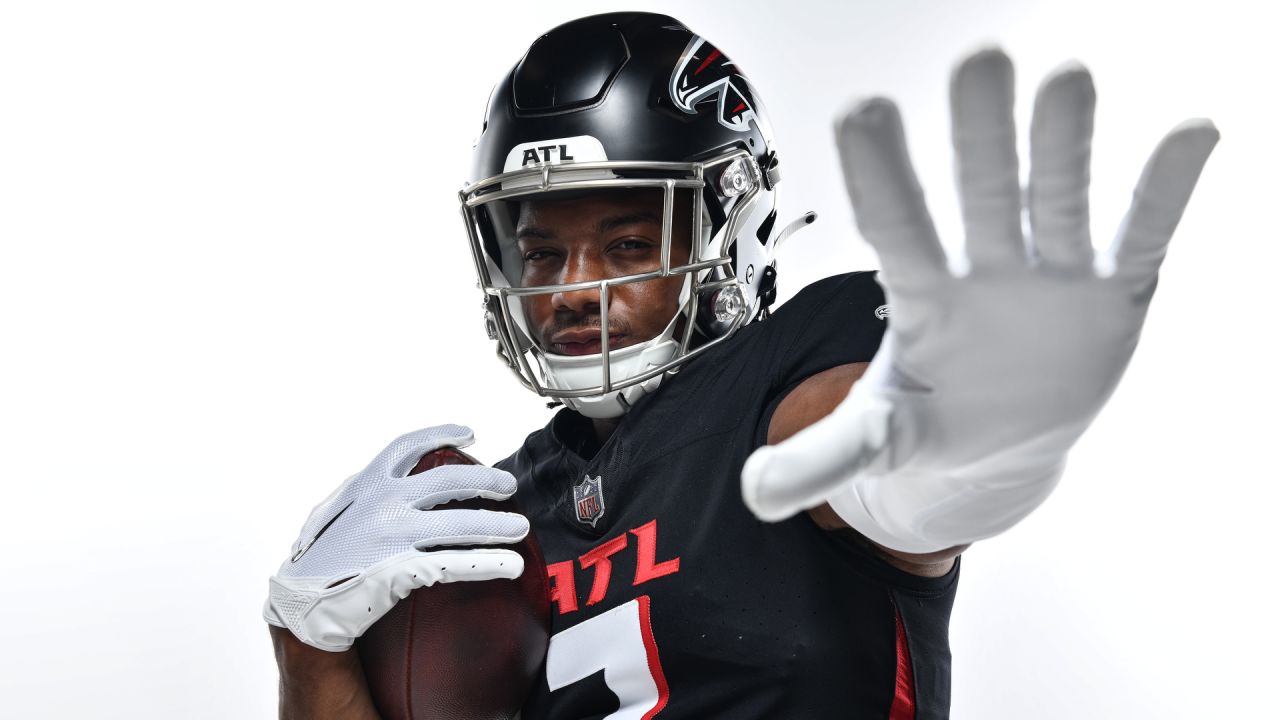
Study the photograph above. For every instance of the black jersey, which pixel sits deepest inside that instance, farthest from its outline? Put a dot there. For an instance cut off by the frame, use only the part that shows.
(669, 599)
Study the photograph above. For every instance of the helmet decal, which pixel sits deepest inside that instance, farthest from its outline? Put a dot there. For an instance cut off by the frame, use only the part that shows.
(704, 72)
(581, 148)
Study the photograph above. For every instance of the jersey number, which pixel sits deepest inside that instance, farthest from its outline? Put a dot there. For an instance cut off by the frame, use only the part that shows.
(620, 642)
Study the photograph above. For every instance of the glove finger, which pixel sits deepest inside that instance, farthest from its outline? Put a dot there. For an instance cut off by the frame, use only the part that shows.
(801, 472)
(1160, 197)
(982, 133)
(346, 611)
(398, 458)
(435, 528)
(430, 568)
(1058, 187)
(888, 203)
(459, 482)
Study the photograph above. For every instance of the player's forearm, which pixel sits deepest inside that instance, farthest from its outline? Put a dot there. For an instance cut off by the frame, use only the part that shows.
(320, 685)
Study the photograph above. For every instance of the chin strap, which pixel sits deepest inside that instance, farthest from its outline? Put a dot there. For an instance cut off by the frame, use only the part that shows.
(768, 290)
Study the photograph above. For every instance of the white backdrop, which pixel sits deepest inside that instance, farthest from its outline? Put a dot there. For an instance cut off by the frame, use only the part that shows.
(233, 269)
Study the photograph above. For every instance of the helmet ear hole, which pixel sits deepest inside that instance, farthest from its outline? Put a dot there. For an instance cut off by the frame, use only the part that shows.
(715, 211)
(765, 231)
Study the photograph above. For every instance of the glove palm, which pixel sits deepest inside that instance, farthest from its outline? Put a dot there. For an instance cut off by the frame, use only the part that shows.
(984, 380)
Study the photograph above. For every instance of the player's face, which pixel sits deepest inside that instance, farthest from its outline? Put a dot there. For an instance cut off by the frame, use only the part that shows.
(596, 237)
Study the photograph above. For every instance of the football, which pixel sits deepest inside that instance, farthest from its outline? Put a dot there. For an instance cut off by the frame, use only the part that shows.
(464, 649)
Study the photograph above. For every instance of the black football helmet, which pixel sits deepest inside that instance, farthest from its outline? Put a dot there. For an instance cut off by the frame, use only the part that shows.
(628, 100)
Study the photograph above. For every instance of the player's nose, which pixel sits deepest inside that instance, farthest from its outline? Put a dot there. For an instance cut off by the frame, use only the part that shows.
(580, 267)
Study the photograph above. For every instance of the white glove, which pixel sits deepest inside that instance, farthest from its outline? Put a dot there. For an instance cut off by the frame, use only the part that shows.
(962, 422)
(361, 550)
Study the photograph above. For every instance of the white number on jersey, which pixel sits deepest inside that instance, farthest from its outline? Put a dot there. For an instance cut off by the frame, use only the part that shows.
(620, 642)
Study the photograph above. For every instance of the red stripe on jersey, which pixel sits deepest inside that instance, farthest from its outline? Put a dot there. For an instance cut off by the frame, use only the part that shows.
(904, 686)
(655, 666)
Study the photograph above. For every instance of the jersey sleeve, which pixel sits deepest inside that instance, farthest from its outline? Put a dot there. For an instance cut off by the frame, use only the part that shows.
(835, 321)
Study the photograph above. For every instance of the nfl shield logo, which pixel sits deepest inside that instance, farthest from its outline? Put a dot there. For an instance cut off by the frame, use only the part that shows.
(588, 500)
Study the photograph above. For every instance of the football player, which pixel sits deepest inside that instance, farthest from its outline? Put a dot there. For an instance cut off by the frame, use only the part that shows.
(746, 511)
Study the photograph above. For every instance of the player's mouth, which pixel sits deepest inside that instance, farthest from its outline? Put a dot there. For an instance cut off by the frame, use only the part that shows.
(584, 342)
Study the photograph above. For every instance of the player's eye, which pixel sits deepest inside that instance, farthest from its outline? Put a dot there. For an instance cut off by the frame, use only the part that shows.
(633, 244)
(538, 255)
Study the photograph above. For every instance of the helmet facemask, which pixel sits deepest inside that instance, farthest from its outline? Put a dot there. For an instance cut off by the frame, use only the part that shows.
(714, 296)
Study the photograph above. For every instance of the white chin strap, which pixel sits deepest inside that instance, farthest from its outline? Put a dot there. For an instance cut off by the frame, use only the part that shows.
(575, 372)
(582, 372)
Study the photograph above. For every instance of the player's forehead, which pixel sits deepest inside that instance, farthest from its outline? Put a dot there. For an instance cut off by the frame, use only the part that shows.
(589, 211)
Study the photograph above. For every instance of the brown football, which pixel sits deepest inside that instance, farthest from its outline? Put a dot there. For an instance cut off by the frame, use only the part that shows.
(461, 650)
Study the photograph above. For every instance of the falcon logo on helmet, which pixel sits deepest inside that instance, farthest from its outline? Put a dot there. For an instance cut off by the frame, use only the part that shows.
(704, 73)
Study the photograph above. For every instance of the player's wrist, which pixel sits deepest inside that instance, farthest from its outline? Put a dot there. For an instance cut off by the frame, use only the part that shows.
(320, 685)
(923, 512)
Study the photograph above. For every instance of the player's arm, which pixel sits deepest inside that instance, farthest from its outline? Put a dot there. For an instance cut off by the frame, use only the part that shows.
(806, 404)
(320, 685)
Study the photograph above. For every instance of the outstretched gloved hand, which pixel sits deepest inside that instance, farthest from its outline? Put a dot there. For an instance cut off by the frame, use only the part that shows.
(376, 538)
(962, 422)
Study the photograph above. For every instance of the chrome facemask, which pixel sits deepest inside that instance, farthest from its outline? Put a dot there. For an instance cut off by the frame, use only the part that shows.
(715, 301)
